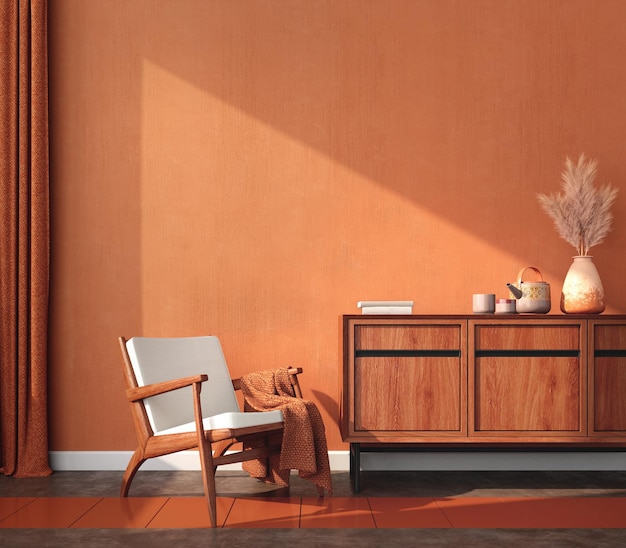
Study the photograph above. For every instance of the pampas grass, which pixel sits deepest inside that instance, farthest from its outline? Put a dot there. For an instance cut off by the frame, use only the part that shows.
(580, 212)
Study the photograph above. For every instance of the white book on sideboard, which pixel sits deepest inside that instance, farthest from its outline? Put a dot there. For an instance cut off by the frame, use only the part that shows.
(386, 307)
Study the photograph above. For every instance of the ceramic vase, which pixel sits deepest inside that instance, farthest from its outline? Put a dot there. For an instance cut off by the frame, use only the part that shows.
(582, 288)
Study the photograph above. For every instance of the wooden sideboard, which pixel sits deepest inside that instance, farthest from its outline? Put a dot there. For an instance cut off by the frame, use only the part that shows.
(482, 380)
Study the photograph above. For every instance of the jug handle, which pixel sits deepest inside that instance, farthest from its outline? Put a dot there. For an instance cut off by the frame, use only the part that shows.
(523, 270)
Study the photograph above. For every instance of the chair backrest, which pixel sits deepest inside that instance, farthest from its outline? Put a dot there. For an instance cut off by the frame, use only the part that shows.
(163, 359)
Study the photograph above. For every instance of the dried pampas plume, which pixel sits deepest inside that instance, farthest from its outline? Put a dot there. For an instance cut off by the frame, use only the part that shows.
(581, 212)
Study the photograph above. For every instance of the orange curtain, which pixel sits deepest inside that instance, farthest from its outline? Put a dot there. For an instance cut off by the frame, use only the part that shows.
(24, 237)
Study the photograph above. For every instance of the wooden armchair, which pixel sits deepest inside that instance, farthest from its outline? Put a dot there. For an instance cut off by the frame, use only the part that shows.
(182, 397)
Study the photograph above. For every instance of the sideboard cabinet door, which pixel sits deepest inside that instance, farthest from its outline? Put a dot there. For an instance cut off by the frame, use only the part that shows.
(607, 373)
(407, 379)
(527, 378)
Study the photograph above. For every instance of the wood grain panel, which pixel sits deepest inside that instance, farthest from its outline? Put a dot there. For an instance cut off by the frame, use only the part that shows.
(418, 394)
(527, 394)
(408, 337)
(609, 337)
(610, 393)
(525, 337)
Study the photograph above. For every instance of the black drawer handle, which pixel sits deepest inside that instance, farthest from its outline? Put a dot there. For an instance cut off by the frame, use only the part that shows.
(408, 354)
(527, 353)
(610, 353)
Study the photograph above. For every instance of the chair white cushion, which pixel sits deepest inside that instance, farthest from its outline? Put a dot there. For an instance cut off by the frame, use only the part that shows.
(229, 420)
(156, 359)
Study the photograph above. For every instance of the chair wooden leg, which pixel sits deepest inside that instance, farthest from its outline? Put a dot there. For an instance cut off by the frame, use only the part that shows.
(211, 495)
(208, 476)
(135, 462)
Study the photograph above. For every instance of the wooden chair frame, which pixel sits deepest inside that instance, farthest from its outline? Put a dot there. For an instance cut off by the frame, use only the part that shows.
(211, 444)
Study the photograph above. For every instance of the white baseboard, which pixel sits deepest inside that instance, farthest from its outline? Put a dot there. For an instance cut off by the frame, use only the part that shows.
(339, 461)
(184, 460)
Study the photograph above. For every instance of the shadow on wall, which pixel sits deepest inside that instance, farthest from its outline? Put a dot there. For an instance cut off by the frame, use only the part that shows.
(466, 121)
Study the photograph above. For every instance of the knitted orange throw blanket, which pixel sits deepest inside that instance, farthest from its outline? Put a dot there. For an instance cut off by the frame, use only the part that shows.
(304, 445)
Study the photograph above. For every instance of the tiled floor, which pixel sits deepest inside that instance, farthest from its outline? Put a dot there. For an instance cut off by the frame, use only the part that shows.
(312, 512)
(408, 509)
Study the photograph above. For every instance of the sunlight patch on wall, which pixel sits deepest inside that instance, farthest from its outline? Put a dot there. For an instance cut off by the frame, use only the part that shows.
(239, 218)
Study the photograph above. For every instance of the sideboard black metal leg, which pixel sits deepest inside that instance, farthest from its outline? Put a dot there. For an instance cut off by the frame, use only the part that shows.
(355, 466)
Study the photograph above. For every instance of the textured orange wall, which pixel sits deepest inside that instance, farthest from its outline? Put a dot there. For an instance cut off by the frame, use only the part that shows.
(253, 169)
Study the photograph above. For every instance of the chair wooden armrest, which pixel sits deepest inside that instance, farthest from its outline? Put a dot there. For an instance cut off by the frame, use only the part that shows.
(293, 377)
(141, 392)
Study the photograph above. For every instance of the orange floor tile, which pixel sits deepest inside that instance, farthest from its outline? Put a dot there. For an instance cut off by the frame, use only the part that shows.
(114, 513)
(50, 513)
(272, 512)
(190, 513)
(313, 512)
(574, 513)
(408, 512)
(482, 513)
(336, 512)
(10, 505)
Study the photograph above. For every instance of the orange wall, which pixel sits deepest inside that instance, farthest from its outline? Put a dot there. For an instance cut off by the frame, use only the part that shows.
(252, 169)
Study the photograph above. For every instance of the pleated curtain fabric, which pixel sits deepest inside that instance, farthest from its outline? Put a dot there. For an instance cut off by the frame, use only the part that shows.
(24, 238)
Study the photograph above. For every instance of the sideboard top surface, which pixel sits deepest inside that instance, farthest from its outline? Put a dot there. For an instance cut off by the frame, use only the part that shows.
(497, 317)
